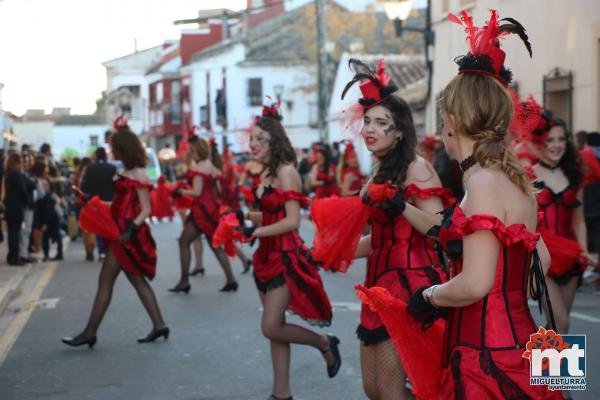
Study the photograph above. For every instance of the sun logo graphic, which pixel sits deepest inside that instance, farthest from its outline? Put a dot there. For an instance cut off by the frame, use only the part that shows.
(557, 361)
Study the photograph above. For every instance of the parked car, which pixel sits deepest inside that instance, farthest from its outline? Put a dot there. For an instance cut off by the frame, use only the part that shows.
(152, 167)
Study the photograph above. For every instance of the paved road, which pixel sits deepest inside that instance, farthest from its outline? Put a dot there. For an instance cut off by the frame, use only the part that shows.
(215, 351)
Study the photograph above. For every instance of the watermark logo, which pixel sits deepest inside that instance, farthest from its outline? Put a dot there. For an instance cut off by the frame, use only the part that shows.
(556, 361)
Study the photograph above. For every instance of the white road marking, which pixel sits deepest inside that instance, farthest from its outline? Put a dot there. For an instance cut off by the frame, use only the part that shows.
(584, 317)
(47, 304)
(14, 330)
(346, 306)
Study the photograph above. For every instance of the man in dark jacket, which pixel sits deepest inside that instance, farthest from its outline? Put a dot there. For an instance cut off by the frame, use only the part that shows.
(98, 181)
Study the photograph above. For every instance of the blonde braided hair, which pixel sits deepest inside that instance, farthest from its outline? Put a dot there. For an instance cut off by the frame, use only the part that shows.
(481, 108)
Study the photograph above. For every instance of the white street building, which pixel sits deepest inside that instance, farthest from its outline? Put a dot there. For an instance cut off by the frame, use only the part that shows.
(127, 87)
(409, 73)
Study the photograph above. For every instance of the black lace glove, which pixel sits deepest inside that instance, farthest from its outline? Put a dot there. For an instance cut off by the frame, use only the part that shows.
(130, 228)
(422, 311)
(395, 206)
(248, 232)
(178, 192)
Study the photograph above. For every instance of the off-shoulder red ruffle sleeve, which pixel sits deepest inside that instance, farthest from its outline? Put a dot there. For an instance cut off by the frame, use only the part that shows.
(193, 173)
(137, 184)
(463, 226)
(444, 194)
(281, 196)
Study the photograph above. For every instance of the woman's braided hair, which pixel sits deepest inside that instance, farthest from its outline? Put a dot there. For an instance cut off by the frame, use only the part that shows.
(481, 108)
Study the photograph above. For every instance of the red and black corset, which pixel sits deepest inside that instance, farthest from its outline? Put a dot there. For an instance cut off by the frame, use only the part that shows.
(205, 208)
(558, 209)
(501, 320)
(272, 206)
(329, 187)
(138, 255)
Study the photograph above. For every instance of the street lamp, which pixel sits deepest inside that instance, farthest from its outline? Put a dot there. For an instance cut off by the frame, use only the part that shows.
(278, 91)
(398, 11)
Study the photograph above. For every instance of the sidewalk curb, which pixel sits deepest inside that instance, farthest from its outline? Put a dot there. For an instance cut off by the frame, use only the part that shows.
(12, 288)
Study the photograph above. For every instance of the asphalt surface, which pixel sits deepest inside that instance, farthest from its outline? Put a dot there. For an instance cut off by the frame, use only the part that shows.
(215, 351)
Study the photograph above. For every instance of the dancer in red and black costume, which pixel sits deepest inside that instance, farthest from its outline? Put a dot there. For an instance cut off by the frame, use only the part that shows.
(322, 174)
(399, 258)
(228, 194)
(135, 251)
(350, 178)
(559, 180)
(285, 276)
(204, 214)
(490, 238)
(249, 179)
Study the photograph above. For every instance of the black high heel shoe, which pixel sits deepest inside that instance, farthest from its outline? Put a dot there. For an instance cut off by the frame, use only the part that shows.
(334, 342)
(273, 397)
(179, 289)
(230, 287)
(247, 267)
(80, 340)
(155, 334)
(197, 271)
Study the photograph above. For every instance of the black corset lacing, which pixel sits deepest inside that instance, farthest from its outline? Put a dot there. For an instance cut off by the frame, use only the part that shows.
(538, 288)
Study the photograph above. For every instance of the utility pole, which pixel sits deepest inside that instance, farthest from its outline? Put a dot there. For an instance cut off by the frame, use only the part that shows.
(322, 71)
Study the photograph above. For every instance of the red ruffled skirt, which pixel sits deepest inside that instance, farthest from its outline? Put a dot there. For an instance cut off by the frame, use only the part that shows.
(205, 216)
(400, 283)
(137, 256)
(293, 268)
(484, 374)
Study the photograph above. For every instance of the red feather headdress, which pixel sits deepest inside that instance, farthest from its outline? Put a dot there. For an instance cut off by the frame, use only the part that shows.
(349, 151)
(485, 55)
(374, 87)
(271, 110)
(120, 122)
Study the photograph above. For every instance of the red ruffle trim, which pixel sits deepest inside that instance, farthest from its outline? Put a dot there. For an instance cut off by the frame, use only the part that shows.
(339, 223)
(444, 194)
(135, 183)
(227, 234)
(515, 233)
(287, 195)
(381, 192)
(247, 193)
(192, 173)
(420, 351)
(564, 253)
(95, 217)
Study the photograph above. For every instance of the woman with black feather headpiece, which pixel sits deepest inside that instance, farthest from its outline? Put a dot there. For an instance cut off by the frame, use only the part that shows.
(399, 258)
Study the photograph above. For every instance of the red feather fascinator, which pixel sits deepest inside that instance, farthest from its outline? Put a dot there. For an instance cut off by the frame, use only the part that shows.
(485, 55)
(120, 122)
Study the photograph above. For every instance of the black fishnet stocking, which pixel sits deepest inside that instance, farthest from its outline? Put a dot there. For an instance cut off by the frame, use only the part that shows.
(383, 375)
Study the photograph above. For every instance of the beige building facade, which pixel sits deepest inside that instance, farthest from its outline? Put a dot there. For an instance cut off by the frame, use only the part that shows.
(564, 73)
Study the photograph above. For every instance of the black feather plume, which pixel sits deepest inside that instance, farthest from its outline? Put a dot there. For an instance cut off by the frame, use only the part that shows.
(516, 28)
